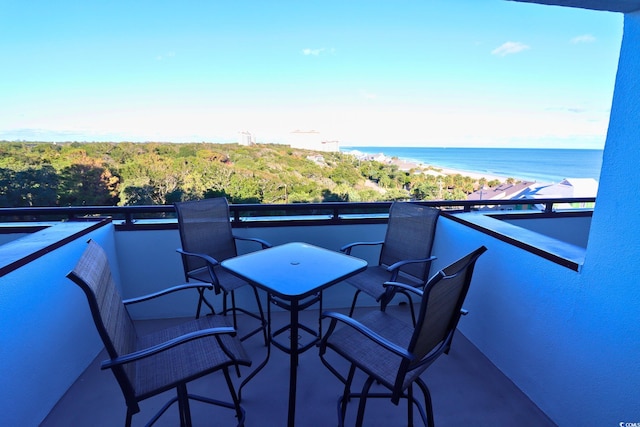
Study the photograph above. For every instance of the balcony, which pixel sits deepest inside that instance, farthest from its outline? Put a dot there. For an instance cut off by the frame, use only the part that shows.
(480, 382)
(467, 389)
(557, 317)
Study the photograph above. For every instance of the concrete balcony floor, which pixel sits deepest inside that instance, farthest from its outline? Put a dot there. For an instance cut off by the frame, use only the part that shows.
(467, 389)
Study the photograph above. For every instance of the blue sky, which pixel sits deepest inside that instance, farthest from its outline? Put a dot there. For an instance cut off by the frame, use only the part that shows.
(488, 73)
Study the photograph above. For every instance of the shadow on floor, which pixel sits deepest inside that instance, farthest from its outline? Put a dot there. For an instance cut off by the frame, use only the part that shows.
(467, 390)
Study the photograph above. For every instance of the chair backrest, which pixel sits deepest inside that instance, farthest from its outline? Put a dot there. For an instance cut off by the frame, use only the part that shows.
(441, 307)
(93, 275)
(205, 228)
(410, 234)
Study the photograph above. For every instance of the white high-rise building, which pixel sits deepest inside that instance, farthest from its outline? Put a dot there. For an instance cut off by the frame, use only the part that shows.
(246, 138)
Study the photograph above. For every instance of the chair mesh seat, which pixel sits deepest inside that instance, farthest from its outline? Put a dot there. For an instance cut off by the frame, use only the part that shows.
(207, 239)
(165, 370)
(158, 367)
(366, 353)
(405, 254)
(370, 280)
(394, 353)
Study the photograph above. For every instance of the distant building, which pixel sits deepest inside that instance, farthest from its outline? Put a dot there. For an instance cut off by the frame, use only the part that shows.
(311, 140)
(246, 138)
(566, 189)
(502, 191)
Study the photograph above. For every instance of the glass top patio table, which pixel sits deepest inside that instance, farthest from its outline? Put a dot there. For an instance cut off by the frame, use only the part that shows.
(292, 272)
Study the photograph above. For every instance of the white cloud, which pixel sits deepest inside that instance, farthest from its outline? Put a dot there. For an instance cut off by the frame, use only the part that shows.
(314, 52)
(509, 48)
(585, 38)
(317, 52)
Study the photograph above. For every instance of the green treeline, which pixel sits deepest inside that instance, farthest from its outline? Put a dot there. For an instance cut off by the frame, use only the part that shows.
(124, 173)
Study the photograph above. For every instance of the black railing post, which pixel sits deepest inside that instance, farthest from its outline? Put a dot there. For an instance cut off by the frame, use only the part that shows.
(128, 219)
(336, 215)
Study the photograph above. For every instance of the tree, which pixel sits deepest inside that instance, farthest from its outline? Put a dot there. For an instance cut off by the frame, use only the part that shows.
(143, 195)
(426, 191)
(161, 173)
(28, 188)
(88, 185)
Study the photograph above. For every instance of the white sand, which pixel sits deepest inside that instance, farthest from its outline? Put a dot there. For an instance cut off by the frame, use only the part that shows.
(436, 170)
(441, 171)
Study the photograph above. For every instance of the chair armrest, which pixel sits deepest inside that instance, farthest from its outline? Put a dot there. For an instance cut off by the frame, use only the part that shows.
(211, 260)
(404, 286)
(141, 354)
(166, 292)
(399, 264)
(378, 339)
(263, 243)
(347, 248)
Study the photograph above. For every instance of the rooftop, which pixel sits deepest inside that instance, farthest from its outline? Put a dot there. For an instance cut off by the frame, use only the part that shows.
(623, 6)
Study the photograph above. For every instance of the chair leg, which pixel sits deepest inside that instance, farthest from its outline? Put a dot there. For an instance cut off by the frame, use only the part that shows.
(233, 309)
(200, 297)
(203, 299)
(428, 407)
(234, 398)
(353, 303)
(127, 423)
(363, 401)
(410, 406)
(320, 316)
(346, 395)
(225, 306)
(183, 405)
(413, 313)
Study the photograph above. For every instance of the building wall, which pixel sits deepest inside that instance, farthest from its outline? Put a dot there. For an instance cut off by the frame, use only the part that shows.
(571, 341)
(609, 298)
(47, 335)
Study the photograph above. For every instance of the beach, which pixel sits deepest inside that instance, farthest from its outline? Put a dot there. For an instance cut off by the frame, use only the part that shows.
(530, 164)
(407, 165)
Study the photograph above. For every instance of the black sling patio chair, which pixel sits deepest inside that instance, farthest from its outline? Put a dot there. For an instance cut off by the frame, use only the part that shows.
(405, 254)
(394, 353)
(150, 364)
(207, 239)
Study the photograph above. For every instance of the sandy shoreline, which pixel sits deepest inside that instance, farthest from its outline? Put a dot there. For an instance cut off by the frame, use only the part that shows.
(406, 165)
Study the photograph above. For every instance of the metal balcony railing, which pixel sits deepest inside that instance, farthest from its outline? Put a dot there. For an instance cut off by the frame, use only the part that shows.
(246, 215)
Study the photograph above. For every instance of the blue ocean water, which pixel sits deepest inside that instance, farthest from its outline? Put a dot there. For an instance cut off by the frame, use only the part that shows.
(534, 164)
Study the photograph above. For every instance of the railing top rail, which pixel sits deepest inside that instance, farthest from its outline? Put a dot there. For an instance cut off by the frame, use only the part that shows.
(346, 207)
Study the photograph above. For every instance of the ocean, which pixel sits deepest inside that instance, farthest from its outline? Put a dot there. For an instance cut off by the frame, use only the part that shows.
(533, 164)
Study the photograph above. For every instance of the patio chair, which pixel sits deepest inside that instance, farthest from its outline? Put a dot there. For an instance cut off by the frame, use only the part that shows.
(147, 365)
(405, 254)
(207, 240)
(394, 353)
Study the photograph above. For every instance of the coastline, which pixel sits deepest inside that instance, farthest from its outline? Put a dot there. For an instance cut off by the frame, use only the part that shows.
(531, 164)
(406, 165)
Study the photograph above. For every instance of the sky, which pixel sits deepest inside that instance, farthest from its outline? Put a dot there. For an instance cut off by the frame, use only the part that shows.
(469, 73)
